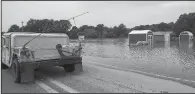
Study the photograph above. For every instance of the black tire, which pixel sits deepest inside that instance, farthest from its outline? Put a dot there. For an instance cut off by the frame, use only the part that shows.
(37, 69)
(69, 68)
(3, 66)
(16, 71)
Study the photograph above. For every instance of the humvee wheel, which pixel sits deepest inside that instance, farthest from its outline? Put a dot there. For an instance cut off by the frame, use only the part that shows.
(37, 69)
(3, 66)
(69, 68)
(15, 67)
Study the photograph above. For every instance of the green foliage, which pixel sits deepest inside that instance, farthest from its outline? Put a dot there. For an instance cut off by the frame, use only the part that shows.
(156, 27)
(121, 30)
(99, 28)
(47, 26)
(73, 32)
(101, 31)
(184, 22)
(14, 28)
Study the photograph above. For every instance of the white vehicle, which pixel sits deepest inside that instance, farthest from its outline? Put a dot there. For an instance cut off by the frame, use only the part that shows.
(24, 52)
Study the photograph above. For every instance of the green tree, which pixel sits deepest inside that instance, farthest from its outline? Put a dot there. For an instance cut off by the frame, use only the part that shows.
(121, 30)
(47, 26)
(185, 23)
(82, 28)
(14, 28)
(73, 32)
(99, 28)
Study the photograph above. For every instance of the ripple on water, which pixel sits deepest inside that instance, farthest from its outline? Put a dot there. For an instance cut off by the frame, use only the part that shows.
(177, 60)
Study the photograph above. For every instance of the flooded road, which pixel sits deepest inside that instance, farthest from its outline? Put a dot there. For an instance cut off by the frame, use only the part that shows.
(172, 59)
(93, 79)
(111, 66)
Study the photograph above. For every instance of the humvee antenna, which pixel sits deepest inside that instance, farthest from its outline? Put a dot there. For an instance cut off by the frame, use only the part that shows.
(32, 39)
(43, 30)
(76, 17)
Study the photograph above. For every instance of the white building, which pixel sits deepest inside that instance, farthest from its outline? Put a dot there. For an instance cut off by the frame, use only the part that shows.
(140, 35)
(185, 36)
(161, 36)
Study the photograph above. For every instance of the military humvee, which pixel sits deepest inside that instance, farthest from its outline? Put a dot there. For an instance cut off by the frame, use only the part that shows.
(23, 52)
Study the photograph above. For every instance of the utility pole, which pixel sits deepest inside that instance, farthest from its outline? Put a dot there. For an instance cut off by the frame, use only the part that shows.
(22, 26)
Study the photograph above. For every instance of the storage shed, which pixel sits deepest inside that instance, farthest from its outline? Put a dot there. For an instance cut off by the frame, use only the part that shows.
(140, 35)
(162, 36)
(185, 36)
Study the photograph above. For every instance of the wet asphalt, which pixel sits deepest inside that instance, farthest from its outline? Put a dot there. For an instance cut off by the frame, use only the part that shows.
(93, 79)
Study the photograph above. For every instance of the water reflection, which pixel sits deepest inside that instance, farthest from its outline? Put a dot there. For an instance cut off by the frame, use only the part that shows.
(187, 55)
(168, 58)
(186, 45)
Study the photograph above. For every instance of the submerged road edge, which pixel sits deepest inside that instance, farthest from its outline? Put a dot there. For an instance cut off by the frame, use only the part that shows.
(179, 80)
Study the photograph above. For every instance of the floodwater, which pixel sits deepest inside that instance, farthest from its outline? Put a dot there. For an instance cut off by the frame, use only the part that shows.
(172, 59)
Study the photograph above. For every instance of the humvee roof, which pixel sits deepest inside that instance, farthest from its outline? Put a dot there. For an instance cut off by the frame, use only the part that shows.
(13, 34)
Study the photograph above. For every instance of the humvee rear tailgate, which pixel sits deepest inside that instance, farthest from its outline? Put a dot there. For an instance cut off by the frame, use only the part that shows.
(52, 56)
(44, 54)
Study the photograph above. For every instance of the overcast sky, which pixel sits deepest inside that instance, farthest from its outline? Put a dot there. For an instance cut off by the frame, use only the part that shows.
(109, 13)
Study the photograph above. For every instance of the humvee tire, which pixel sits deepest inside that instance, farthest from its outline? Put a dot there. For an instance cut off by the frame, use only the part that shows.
(15, 67)
(69, 68)
(37, 69)
(3, 66)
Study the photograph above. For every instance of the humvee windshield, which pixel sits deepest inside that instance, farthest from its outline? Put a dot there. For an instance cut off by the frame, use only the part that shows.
(41, 41)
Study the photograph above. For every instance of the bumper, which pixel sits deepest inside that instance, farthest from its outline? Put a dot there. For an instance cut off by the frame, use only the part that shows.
(51, 62)
(60, 61)
(27, 68)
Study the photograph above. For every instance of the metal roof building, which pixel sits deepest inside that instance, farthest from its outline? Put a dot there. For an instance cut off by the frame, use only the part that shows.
(140, 31)
(162, 36)
(185, 36)
(139, 35)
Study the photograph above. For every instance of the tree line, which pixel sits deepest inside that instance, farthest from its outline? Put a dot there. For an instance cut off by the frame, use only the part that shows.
(185, 22)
